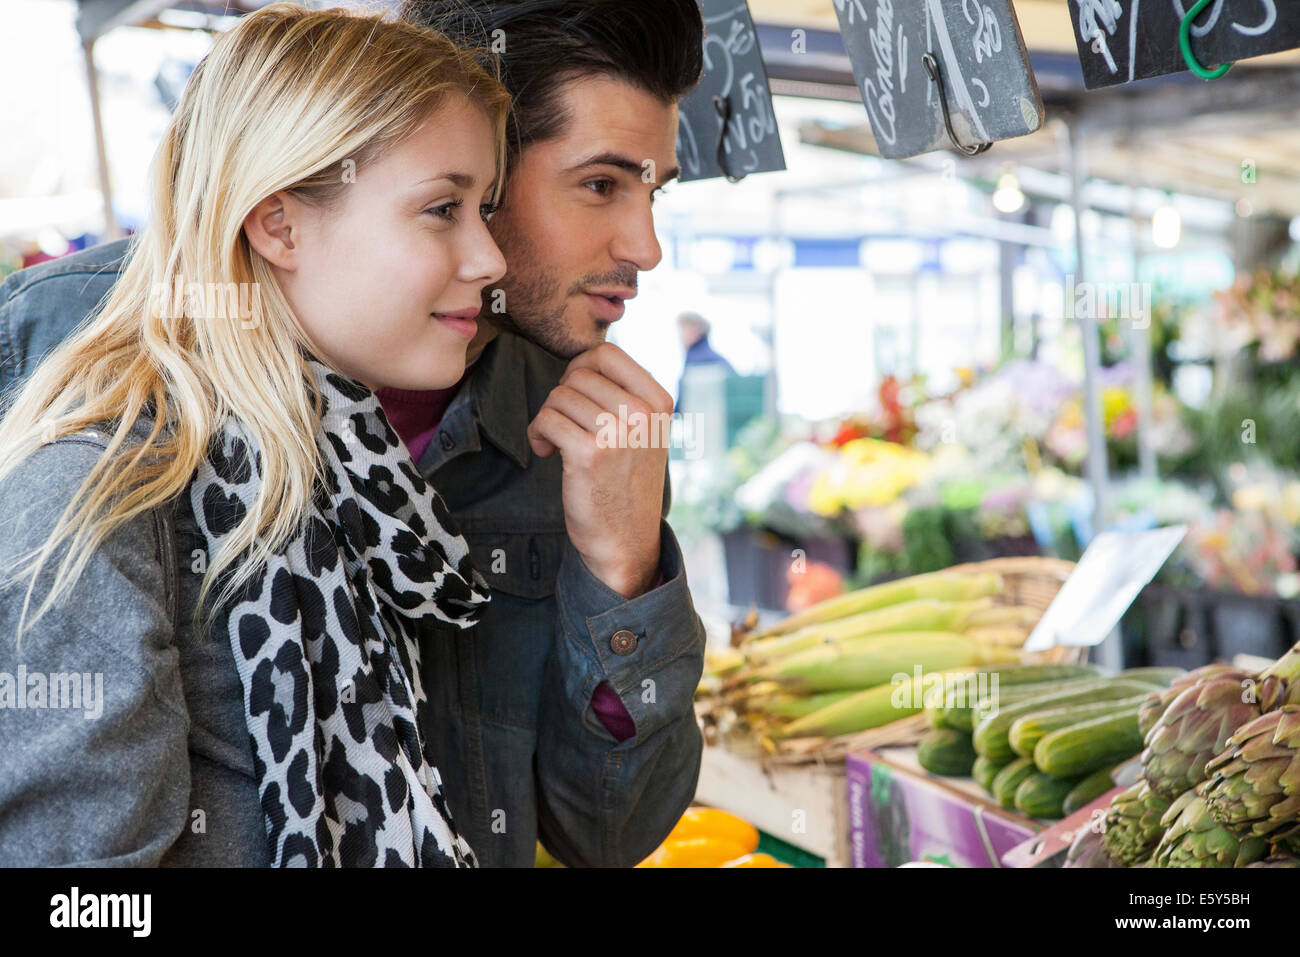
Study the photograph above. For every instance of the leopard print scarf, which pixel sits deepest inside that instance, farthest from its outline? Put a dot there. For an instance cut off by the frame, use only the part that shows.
(326, 641)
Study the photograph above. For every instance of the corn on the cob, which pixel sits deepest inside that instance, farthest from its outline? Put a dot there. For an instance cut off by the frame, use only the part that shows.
(1021, 616)
(723, 661)
(797, 706)
(1004, 636)
(991, 654)
(945, 586)
(871, 708)
(864, 663)
(924, 614)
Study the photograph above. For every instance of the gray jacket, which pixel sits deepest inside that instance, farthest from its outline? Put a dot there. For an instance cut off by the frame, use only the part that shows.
(165, 774)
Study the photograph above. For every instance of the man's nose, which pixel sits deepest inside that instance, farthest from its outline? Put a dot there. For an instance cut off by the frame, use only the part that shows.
(637, 243)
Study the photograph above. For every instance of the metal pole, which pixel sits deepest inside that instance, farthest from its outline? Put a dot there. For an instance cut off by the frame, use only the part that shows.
(1097, 468)
(771, 388)
(1140, 338)
(111, 229)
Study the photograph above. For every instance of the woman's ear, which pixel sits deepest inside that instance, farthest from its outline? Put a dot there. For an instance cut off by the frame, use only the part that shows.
(272, 228)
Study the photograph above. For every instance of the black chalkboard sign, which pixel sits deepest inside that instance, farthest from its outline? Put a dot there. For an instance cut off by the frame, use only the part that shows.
(1121, 41)
(735, 85)
(983, 64)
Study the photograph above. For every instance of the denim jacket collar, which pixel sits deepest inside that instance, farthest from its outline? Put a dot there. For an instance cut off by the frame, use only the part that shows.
(500, 397)
(494, 401)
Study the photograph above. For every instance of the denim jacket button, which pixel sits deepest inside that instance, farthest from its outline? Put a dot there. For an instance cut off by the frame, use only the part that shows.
(446, 441)
(623, 642)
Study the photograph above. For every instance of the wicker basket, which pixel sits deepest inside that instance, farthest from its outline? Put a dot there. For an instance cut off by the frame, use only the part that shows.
(1029, 581)
(1033, 582)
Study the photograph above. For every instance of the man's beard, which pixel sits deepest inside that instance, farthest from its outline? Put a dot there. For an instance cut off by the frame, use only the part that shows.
(534, 307)
(535, 297)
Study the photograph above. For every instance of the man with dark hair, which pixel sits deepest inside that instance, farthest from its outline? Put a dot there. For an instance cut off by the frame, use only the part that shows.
(566, 714)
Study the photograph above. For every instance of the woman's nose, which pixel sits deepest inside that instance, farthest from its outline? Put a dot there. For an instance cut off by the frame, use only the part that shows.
(484, 262)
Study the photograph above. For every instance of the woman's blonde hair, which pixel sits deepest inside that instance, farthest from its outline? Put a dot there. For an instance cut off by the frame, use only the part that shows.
(291, 99)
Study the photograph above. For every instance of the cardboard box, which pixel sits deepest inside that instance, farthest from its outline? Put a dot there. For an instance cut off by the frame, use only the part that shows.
(899, 813)
(803, 806)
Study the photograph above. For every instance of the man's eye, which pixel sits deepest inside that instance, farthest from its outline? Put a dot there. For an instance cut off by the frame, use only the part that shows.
(446, 211)
(601, 187)
(657, 192)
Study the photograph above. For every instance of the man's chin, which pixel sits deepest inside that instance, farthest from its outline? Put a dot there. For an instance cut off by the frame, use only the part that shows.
(567, 345)
(562, 336)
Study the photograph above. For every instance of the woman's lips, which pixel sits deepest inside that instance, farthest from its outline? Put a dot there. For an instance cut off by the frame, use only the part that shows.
(458, 322)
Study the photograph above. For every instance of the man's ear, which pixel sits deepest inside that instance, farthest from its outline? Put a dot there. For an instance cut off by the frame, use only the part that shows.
(274, 228)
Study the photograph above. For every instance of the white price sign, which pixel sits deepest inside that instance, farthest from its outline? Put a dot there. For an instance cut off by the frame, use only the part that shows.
(1115, 567)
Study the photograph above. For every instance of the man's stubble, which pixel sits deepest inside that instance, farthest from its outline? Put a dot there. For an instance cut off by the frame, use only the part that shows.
(534, 307)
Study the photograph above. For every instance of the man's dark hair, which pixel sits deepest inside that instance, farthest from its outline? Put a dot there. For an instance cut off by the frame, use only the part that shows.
(656, 45)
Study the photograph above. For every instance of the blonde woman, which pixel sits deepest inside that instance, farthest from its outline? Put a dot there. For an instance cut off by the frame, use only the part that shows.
(318, 233)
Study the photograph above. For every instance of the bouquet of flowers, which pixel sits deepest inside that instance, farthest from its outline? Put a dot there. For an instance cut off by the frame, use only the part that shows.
(1262, 308)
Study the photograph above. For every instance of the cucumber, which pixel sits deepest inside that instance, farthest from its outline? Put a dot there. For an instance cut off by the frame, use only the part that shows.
(1043, 796)
(984, 771)
(1009, 779)
(1085, 747)
(1160, 676)
(1037, 689)
(1014, 696)
(992, 734)
(1026, 731)
(964, 711)
(957, 713)
(1089, 789)
(946, 752)
(935, 718)
(1026, 674)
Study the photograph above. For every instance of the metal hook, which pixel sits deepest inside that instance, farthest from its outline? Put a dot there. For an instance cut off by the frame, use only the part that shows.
(723, 106)
(932, 68)
(1185, 43)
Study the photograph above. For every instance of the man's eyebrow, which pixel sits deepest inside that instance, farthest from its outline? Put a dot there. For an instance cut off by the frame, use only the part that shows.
(463, 180)
(620, 162)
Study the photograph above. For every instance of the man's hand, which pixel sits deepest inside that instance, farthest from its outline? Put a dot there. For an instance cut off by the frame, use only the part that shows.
(613, 492)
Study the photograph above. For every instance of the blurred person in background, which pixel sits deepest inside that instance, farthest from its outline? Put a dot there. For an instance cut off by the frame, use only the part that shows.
(694, 331)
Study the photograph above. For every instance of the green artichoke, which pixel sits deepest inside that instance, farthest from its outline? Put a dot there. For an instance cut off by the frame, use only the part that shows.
(1198, 722)
(1277, 860)
(1254, 786)
(1161, 699)
(1194, 839)
(1088, 849)
(1133, 827)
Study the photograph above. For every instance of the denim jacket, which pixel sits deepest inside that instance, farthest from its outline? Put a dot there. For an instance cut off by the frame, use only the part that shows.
(520, 750)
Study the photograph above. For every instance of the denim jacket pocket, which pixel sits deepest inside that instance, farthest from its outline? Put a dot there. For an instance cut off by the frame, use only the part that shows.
(523, 564)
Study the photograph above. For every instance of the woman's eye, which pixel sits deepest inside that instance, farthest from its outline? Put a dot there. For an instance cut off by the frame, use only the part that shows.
(447, 211)
(487, 209)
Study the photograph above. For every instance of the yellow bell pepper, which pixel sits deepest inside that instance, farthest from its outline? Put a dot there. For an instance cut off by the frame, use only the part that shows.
(756, 860)
(694, 852)
(711, 823)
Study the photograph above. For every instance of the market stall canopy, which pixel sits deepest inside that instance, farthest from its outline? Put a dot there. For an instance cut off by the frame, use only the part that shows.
(97, 17)
(1234, 139)
(1045, 23)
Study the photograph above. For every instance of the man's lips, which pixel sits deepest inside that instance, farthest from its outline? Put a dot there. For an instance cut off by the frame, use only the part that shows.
(609, 303)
